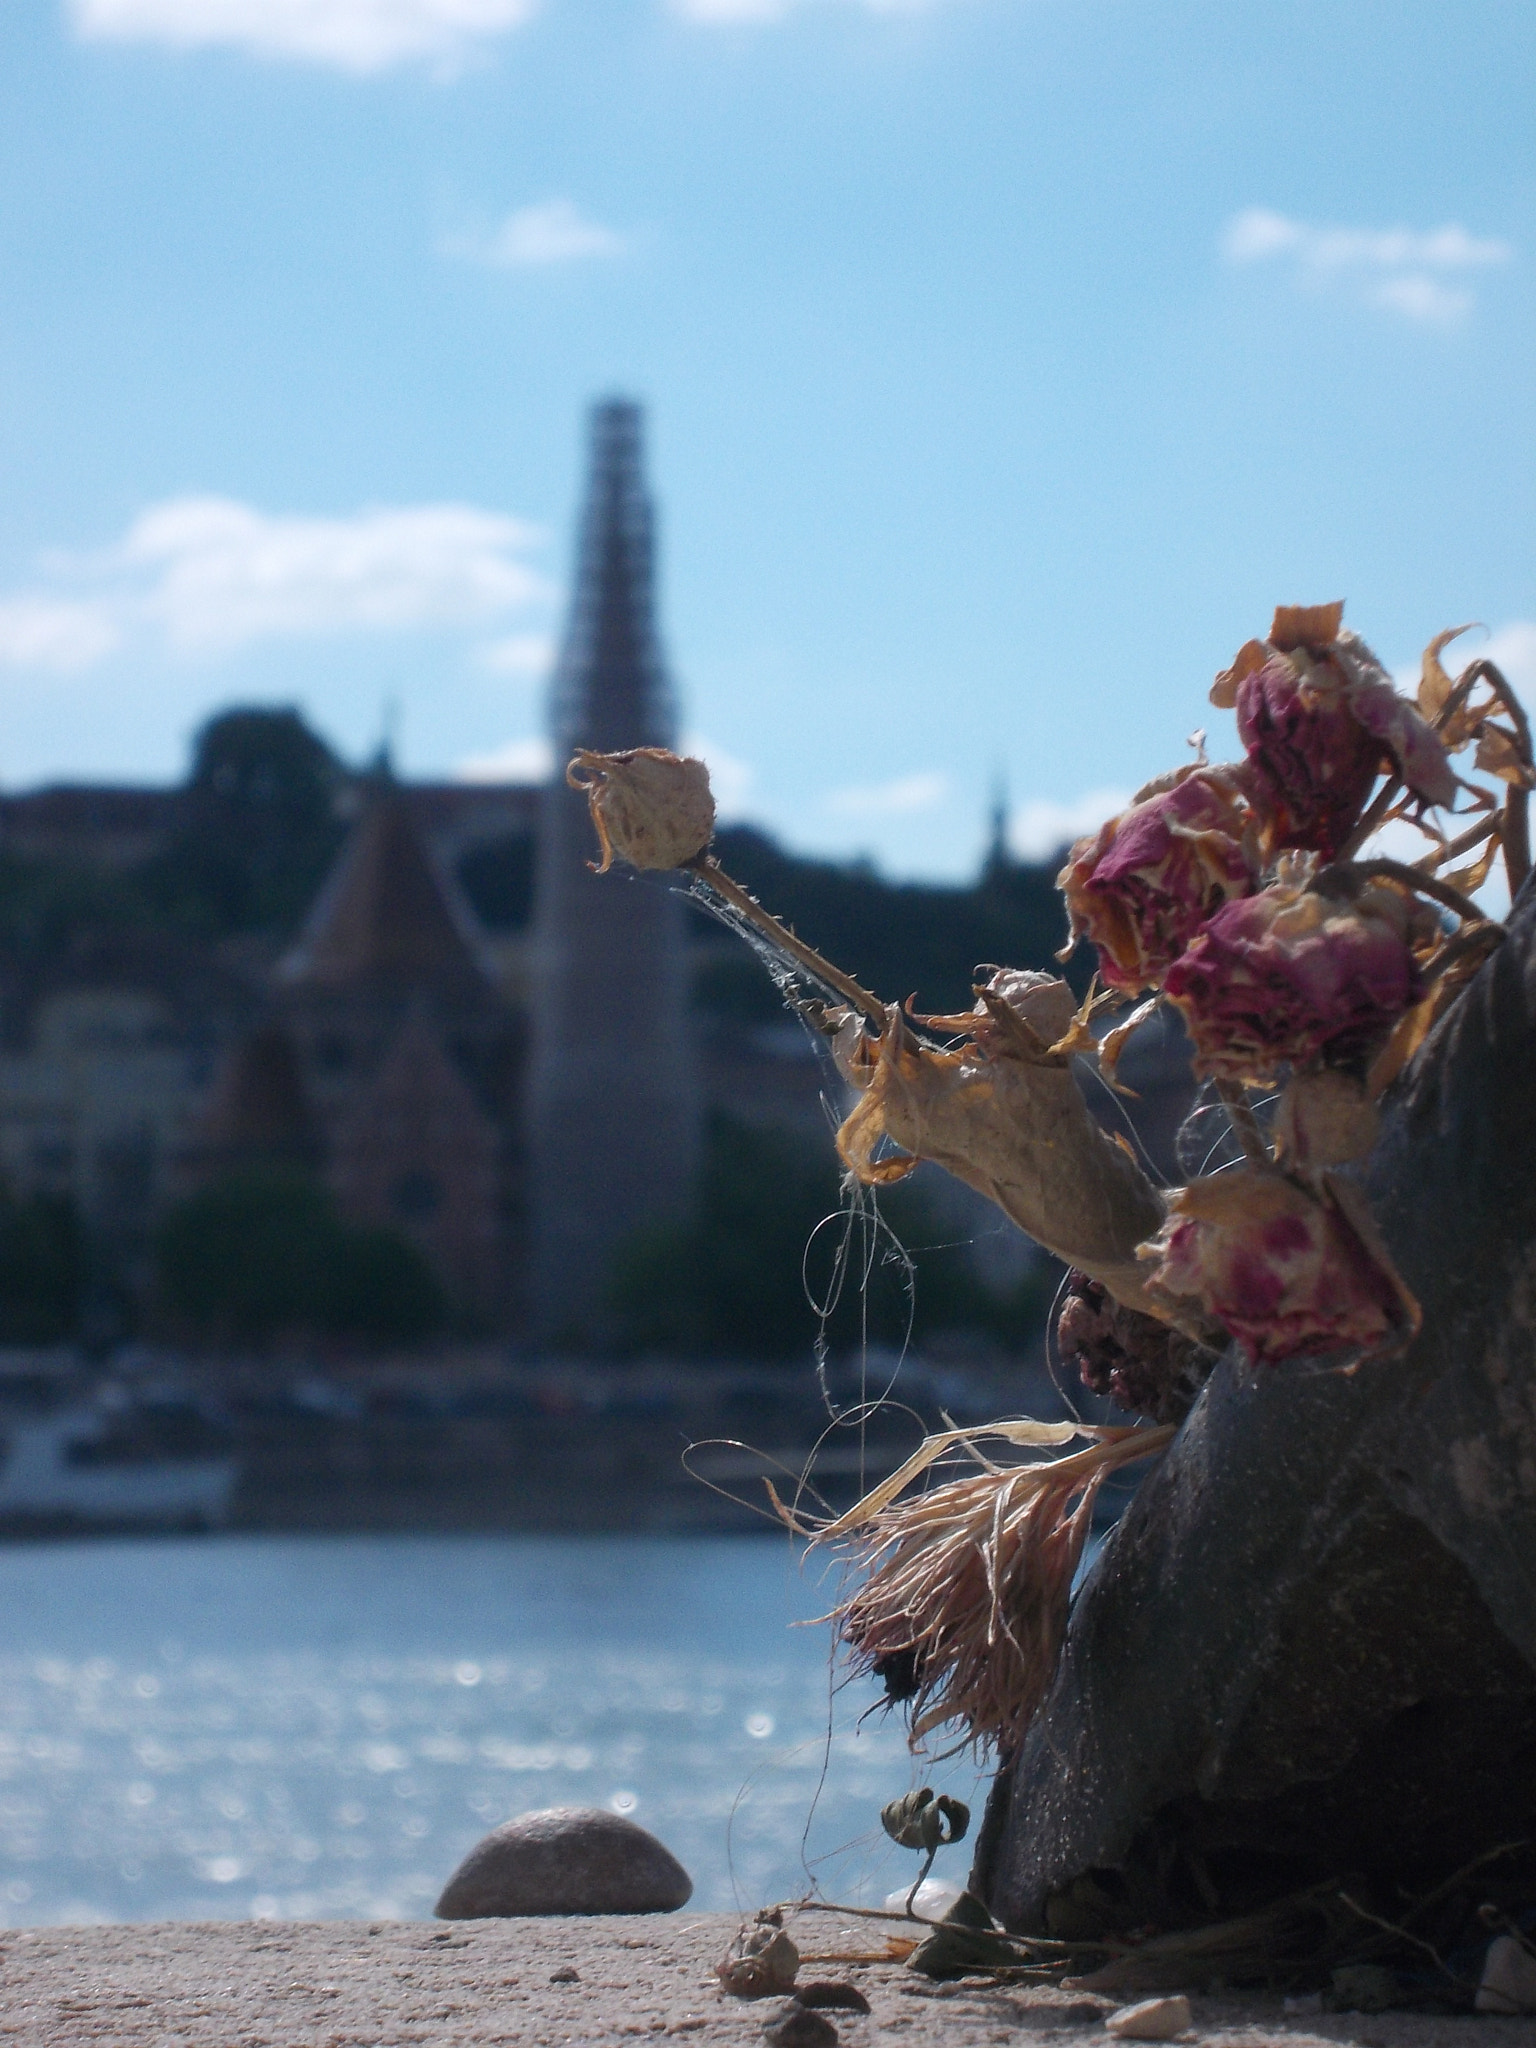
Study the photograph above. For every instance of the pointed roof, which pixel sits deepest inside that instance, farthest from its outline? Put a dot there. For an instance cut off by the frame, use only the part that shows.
(259, 1109)
(385, 915)
(611, 687)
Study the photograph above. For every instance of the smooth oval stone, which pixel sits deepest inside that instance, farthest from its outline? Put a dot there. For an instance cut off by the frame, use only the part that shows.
(565, 1860)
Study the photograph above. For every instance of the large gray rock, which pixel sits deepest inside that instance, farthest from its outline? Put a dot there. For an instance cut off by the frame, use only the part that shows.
(1309, 1648)
(565, 1860)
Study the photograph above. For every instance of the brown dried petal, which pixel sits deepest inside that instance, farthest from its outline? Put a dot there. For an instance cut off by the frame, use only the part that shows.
(650, 807)
(1250, 656)
(1314, 626)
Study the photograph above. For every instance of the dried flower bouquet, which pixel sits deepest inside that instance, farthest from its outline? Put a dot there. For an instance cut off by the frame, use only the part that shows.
(1307, 968)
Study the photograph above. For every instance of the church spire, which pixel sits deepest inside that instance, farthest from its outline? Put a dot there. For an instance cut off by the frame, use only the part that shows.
(611, 689)
(613, 1100)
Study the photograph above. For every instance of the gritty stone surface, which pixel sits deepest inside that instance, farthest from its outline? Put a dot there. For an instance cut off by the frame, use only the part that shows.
(566, 1859)
(487, 1984)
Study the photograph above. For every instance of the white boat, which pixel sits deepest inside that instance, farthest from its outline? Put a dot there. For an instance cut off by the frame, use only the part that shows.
(64, 1469)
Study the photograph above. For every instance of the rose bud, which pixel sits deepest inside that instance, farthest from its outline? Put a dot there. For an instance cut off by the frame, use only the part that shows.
(1143, 886)
(1287, 1272)
(1293, 978)
(649, 807)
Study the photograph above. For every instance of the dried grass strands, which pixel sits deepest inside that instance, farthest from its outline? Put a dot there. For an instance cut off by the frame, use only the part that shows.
(966, 1587)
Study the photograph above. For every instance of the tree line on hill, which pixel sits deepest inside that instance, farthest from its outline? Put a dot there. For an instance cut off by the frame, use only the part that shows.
(253, 832)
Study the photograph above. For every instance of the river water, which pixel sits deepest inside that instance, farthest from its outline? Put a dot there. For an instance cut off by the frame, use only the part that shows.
(320, 1727)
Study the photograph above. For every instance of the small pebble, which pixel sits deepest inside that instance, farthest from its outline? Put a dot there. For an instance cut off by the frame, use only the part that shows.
(565, 1976)
(1363, 1987)
(1509, 1978)
(1304, 2002)
(1152, 2019)
(796, 2027)
(822, 1996)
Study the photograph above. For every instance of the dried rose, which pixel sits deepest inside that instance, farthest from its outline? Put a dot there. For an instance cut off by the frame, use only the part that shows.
(1293, 978)
(1124, 1356)
(1311, 763)
(1287, 1271)
(1417, 750)
(1318, 715)
(648, 806)
(1143, 886)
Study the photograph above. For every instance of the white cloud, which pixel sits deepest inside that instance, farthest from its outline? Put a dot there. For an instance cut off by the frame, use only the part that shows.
(554, 231)
(906, 794)
(208, 575)
(758, 12)
(730, 778)
(350, 35)
(54, 633)
(517, 761)
(1042, 825)
(222, 573)
(527, 656)
(1403, 270)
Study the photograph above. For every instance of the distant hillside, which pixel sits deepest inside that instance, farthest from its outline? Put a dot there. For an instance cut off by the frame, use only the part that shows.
(239, 850)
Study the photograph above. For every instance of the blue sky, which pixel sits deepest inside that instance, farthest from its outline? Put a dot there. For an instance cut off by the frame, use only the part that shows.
(1006, 361)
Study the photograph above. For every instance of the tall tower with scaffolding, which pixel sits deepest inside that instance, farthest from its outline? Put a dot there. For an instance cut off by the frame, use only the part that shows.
(613, 1097)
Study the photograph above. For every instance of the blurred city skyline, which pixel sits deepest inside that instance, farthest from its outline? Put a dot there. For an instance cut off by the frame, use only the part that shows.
(1003, 366)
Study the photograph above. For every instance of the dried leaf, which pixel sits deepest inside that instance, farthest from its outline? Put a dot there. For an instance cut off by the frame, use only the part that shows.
(1471, 878)
(1016, 1130)
(1435, 688)
(1498, 753)
(918, 1820)
(1113, 1043)
(1313, 626)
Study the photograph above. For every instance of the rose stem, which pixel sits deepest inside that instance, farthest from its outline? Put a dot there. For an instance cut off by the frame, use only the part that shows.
(1427, 885)
(1372, 818)
(714, 877)
(1473, 836)
(1244, 1122)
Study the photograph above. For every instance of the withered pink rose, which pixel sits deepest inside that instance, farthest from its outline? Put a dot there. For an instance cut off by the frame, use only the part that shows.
(1292, 978)
(1145, 883)
(1285, 1271)
(1412, 743)
(1311, 763)
(1317, 729)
